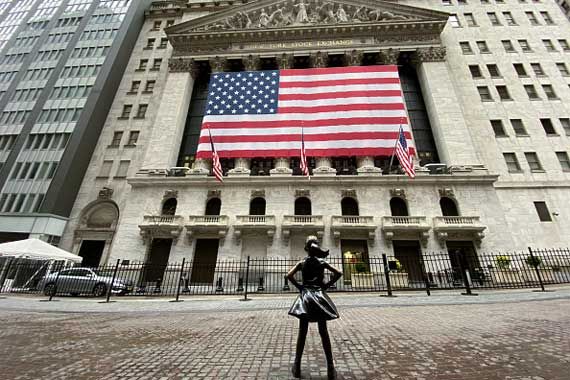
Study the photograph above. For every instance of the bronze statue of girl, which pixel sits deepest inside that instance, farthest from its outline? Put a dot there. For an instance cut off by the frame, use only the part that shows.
(313, 304)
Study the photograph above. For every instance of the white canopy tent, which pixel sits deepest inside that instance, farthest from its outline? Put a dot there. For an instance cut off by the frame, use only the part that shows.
(36, 249)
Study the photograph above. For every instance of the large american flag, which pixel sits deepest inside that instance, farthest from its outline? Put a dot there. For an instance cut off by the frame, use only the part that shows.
(404, 155)
(344, 111)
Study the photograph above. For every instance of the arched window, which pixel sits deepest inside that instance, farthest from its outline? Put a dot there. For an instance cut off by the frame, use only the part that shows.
(169, 206)
(303, 206)
(257, 206)
(213, 206)
(398, 207)
(349, 206)
(448, 207)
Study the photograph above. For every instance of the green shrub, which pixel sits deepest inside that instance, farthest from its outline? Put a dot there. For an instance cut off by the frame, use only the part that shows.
(503, 262)
(360, 268)
(533, 261)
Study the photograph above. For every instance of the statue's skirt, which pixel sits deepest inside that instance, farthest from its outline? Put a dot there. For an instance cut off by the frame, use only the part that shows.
(314, 305)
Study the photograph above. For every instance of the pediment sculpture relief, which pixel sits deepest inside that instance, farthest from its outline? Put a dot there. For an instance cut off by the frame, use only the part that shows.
(303, 12)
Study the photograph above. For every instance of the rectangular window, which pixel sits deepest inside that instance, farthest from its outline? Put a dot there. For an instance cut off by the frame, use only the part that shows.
(512, 163)
(163, 43)
(127, 109)
(493, 71)
(533, 162)
(537, 68)
(508, 46)
(564, 45)
(141, 113)
(156, 64)
(532, 18)
(150, 43)
(519, 68)
(465, 47)
(470, 19)
(169, 23)
(518, 127)
(525, 47)
(498, 128)
(547, 19)
(484, 93)
(548, 126)
(123, 169)
(565, 126)
(549, 91)
(531, 92)
(446, 2)
(483, 48)
(564, 161)
(116, 142)
(548, 45)
(143, 63)
(542, 211)
(475, 71)
(156, 25)
(563, 69)
(133, 138)
(149, 86)
(493, 18)
(503, 93)
(509, 18)
(454, 21)
(135, 85)
(105, 169)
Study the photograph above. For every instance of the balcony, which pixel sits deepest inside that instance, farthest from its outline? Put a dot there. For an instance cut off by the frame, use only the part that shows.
(213, 226)
(161, 227)
(309, 224)
(254, 223)
(406, 228)
(459, 228)
(352, 225)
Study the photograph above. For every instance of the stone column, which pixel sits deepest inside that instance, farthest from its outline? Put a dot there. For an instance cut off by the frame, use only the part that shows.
(365, 166)
(389, 56)
(241, 168)
(166, 135)
(451, 135)
(281, 167)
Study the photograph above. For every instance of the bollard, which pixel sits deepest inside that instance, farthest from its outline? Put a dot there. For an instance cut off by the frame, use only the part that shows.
(52, 294)
(179, 282)
(286, 287)
(110, 287)
(240, 285)
(542, 289)
(261, 286)
(466, 276)
(158, 285)
(387, 274)
(220, 285)
(246, 280)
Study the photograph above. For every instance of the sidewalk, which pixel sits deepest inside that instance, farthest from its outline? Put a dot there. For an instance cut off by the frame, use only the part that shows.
(201, 304)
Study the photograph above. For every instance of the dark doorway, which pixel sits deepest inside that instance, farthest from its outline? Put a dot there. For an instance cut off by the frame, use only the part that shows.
(303, 206)
(463, 255)
(349, 206)
(398, 207)
(91, 251)
(157, 259)
(354, 253)
(169, 206)
(408, 253)
(257, 206)
(214, 206)
(448, 207)
(204, 264)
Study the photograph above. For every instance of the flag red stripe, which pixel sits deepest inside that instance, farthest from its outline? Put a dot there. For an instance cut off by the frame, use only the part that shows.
(384, 152)
(340, 70)
(306, 123)
(343, 107)
(340, 82)
(296, 137)
(342, 94)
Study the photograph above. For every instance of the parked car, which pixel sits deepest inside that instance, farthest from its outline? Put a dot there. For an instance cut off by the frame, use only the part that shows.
(77, 281)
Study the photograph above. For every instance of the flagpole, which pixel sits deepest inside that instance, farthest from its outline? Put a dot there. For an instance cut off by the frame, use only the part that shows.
(394, 150)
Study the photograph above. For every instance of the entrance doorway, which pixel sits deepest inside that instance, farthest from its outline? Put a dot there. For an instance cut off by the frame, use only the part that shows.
(204, 264)
(354, 258)
(462, 255)
(408, 253)
(91, 251)
(157, 259)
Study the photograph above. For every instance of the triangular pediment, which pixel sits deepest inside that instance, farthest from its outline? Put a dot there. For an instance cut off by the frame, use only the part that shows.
(267, 15)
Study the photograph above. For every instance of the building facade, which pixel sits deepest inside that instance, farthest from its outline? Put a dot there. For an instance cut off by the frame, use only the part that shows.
(486, 89)
(60, 64)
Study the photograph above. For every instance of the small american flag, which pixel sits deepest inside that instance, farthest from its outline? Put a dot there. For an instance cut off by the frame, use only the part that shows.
(216, 166)
(303, 163)
(344, 111)
(404, 155)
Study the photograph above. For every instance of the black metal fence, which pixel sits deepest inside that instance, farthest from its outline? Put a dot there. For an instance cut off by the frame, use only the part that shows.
(429, 271)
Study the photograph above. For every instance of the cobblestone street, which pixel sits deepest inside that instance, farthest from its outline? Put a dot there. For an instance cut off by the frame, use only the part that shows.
(525, 339)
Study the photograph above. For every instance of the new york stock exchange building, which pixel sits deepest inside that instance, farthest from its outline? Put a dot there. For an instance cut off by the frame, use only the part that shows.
(485, 90)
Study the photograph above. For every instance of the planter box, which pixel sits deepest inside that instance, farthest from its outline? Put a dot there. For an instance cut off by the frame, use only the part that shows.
(362, 280)
(505, 276)
(399, 280)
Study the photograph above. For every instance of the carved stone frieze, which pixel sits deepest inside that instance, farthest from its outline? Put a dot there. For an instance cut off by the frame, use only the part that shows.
(348, 193)
(319, 59)
(354, 57)
(389, 56)
(431, 54)
(105, 193)
(251, 62)
(218, 64)
(302, 12)
(286, 61)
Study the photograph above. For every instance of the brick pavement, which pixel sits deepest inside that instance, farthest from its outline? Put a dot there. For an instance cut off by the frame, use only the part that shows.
(519, 340)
